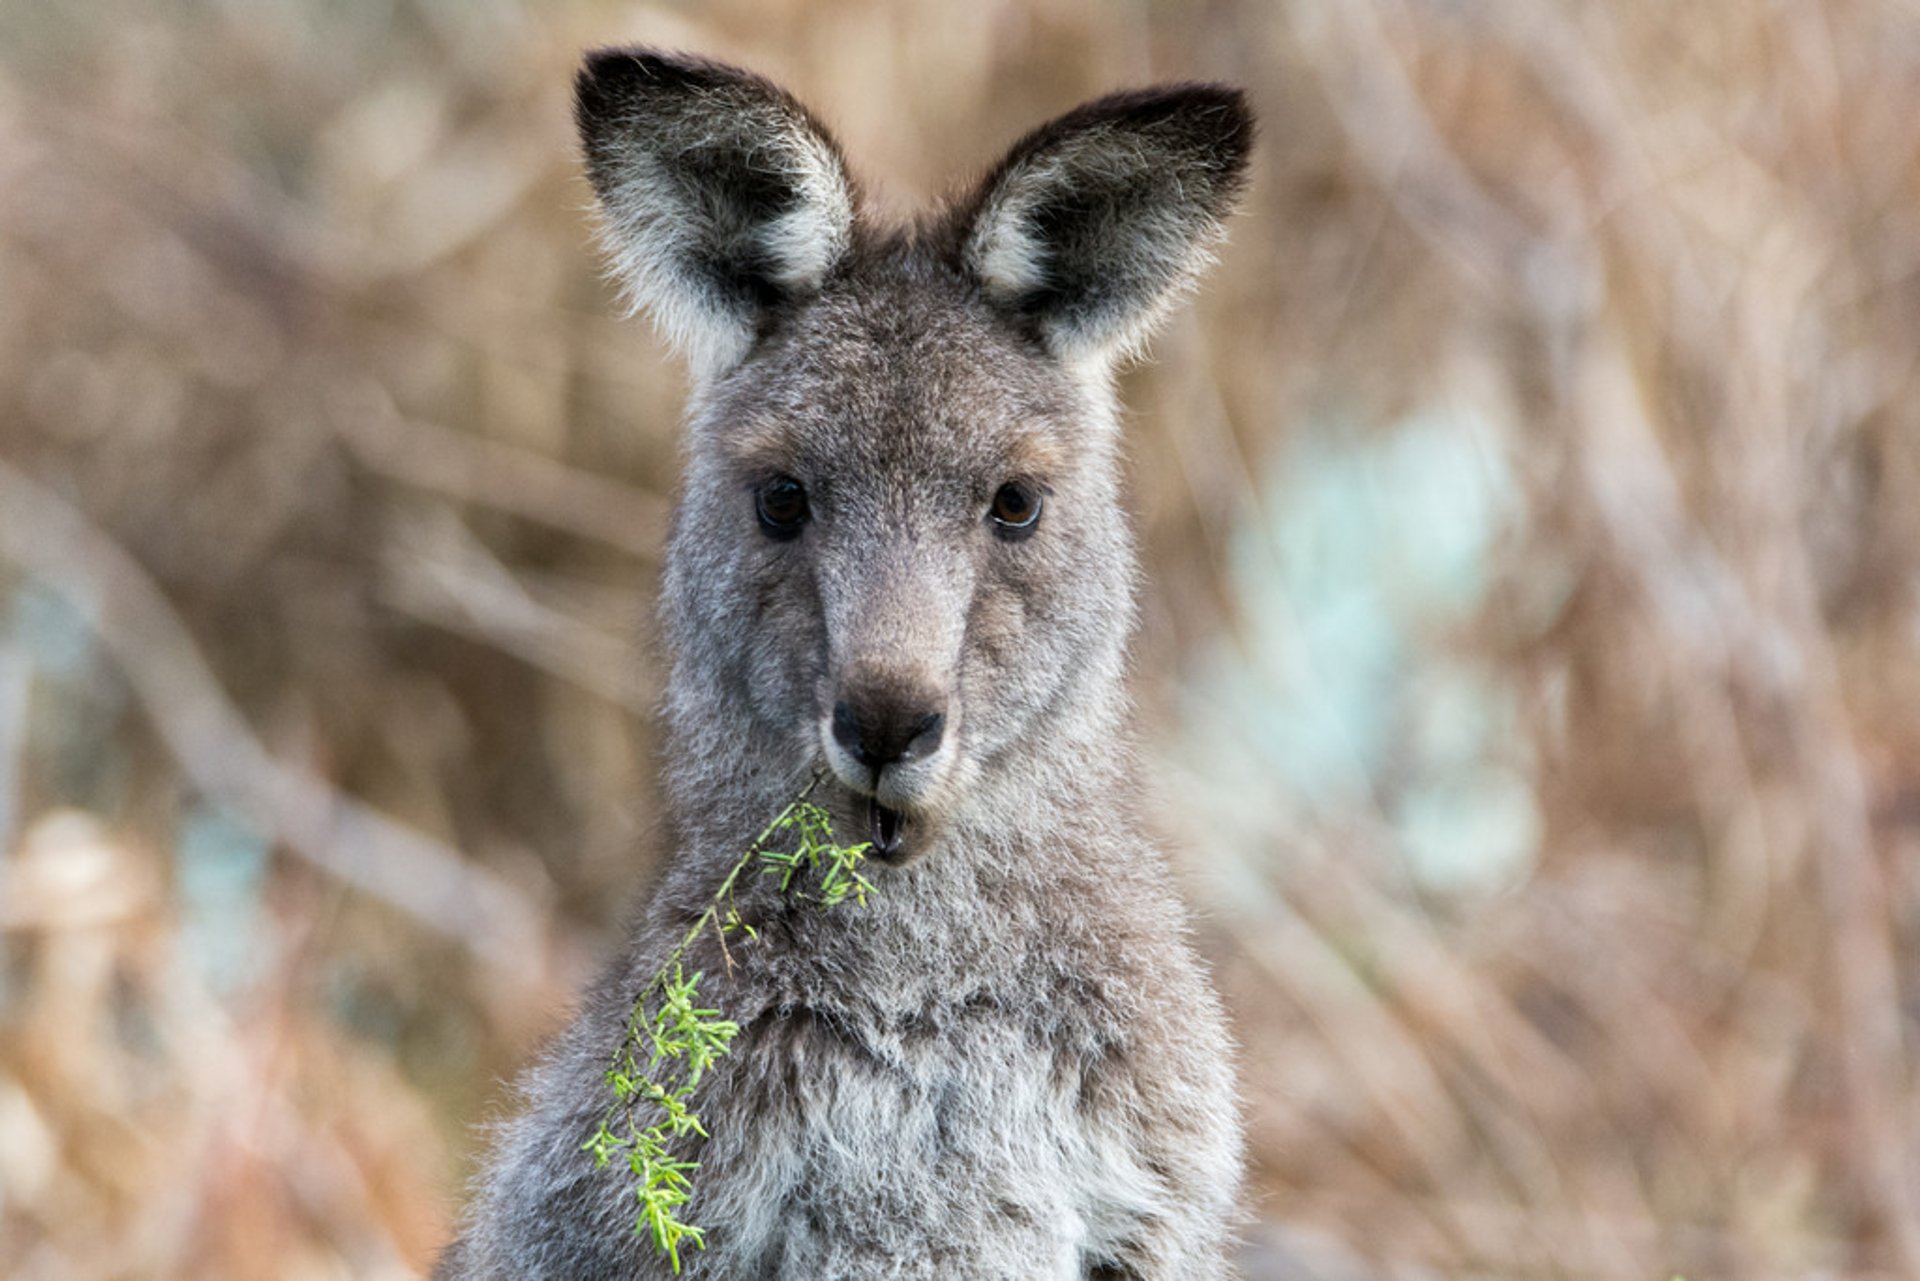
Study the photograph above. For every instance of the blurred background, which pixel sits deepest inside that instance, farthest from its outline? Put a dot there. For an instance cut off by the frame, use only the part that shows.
(1530, 672)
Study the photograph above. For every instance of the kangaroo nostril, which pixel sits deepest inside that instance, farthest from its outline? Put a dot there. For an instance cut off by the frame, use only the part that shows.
(926, 736)
(846, 729)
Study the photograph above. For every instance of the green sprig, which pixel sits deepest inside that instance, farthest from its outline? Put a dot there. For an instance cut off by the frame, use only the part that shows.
(673, 1040)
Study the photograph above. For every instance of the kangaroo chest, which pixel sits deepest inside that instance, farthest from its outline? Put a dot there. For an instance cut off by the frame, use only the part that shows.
(863, 1150)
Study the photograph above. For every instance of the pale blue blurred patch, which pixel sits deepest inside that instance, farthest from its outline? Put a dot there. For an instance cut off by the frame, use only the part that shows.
(59, 636)
(16, 683)
(220, 871)
(73, 746)
(78, 701)
(1340, 695)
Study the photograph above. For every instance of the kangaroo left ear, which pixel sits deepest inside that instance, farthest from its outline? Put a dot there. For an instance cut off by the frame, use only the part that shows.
(1096, 223)
(725, 200)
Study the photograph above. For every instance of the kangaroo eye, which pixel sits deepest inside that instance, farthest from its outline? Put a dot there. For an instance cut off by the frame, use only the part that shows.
(781, 504)
(1015, 510)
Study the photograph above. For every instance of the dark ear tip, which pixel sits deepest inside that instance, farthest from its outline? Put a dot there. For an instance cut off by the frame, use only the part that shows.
(603, 74)
(1205, 123)
(1216, 117)
(614, 64)
(613, 74)
(1239, 125)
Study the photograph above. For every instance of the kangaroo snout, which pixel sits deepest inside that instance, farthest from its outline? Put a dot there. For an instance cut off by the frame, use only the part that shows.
(884, 738)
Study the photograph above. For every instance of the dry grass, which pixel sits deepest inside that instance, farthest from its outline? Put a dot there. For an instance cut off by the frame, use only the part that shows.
(330, 500)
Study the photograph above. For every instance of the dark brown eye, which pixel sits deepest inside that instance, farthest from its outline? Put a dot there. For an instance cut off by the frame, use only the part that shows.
(1015, 510)
(781, 504)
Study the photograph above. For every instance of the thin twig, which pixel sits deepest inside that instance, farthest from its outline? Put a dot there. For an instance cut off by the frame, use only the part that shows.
(725, 892)
(388, 860)
(438, 572)
(491, 473)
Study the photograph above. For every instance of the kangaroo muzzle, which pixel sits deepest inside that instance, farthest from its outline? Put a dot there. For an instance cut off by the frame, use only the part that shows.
(885, 736)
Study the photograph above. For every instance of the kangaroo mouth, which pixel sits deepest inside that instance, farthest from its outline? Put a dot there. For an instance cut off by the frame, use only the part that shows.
(887, 831)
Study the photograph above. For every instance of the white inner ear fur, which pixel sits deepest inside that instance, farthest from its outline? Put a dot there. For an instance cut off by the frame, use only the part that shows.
(657, 239)
(805, 242)
(1003, 251)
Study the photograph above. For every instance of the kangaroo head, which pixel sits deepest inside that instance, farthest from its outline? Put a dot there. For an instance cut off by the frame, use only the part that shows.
(899, 549)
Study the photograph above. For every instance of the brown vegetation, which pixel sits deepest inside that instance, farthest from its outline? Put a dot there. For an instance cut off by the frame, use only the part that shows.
(331, 488)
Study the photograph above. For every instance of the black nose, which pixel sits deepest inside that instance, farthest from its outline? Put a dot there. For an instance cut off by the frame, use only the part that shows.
(882, 732)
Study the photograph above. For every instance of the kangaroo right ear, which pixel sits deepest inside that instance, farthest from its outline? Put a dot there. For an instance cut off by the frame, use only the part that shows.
(724, 198)
(1095, 223)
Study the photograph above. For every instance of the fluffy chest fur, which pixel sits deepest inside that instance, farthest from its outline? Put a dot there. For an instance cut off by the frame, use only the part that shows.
(923, 1087)
(952, 1144)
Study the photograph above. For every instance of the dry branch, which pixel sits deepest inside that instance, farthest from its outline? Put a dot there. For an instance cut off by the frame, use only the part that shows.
(52, 541)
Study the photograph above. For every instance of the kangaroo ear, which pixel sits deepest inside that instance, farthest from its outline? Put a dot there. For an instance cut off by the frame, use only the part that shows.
(1095, 224)
(724, 198)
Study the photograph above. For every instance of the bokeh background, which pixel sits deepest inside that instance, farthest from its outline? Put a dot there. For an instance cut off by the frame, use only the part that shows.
(1530, 673)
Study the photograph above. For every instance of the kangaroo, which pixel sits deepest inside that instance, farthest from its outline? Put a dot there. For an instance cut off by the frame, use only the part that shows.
(899, 556)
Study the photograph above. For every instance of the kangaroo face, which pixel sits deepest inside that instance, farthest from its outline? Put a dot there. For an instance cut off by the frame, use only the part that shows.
(913, 512)
(899, 551)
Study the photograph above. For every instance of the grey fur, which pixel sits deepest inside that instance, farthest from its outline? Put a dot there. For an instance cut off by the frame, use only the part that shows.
(1010, 1063)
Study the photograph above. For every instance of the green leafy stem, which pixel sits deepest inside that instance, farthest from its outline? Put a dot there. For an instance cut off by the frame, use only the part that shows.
(673, 1039)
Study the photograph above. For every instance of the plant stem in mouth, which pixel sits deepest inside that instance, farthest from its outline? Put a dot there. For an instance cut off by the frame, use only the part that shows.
(725, 893)
(673, 1037)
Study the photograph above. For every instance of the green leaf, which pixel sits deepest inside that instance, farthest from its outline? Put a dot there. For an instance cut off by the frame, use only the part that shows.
(682, 1039)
